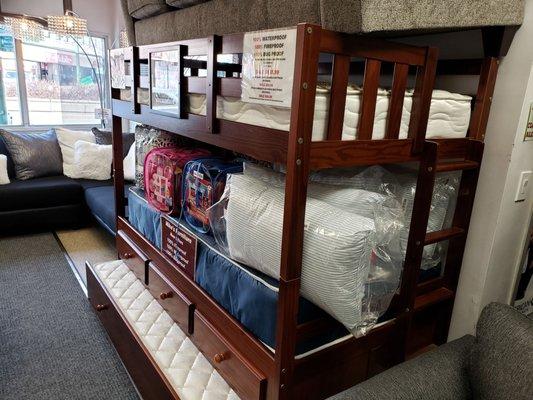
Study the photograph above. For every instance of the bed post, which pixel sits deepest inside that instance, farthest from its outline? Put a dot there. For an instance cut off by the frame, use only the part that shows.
(118, 167)
(485, 90)
(135, 79)
(303, 103)
(425, 80)
(214, 46)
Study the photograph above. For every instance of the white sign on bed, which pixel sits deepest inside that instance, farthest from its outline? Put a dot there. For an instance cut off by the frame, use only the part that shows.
(268, 67)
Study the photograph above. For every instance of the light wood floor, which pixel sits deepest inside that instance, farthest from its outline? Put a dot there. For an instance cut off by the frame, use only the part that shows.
(92, 243)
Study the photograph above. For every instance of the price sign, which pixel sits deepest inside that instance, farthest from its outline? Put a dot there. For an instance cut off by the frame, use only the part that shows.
(179, 245)
(268, 67)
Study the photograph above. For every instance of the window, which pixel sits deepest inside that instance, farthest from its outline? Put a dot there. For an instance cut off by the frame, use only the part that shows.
(51, 82)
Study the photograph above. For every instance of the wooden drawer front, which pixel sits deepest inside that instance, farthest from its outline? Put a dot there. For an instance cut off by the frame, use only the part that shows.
(171, 299)
(136, 260)
(247, 381)
(148, 378)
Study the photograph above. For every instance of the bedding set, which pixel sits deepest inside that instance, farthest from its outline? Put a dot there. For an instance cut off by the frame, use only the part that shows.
(355, 234)
(449, 115)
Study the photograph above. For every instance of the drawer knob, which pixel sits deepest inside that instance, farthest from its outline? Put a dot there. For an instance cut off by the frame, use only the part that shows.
(102, 307)
(128, 255)
(166, 295)
(219, 357)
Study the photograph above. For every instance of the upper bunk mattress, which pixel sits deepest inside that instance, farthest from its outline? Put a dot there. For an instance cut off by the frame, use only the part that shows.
(449, 114)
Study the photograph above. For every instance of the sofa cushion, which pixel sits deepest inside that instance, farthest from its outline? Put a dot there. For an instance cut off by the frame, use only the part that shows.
(101, 202)
(44, 192)
(225, 16)
(185, 3)
(351, 16)
(438, 374)
(90, 183)
(10, 164)
(34, 154)
(501, 362)
(146, 8)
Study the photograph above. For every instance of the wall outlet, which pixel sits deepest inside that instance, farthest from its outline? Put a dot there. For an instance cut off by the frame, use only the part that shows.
(523, 186)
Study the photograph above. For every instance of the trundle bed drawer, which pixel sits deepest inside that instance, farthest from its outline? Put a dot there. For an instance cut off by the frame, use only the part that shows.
(171, 299)
(148, 379)
(136, 260)
(248, 381)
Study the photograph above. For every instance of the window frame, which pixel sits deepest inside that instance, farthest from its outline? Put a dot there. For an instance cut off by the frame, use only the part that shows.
(23, 94)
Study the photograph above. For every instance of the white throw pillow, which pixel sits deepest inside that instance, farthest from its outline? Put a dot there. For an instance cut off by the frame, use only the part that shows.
(67, 139)
(92, 161)
(129, 164)
(4, 177)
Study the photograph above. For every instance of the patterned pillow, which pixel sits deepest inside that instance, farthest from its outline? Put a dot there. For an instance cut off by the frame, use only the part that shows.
(146, 139)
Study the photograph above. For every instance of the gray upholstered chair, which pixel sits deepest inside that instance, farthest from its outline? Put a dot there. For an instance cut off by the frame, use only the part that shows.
(496, 364)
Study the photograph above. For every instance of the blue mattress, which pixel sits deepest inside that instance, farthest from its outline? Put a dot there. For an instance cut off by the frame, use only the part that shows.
(250, 296)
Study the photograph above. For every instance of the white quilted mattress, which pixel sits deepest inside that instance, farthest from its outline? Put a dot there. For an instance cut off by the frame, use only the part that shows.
(185, 367)
(449, 114)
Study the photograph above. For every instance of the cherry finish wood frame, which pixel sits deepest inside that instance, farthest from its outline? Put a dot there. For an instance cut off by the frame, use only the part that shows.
(420, 312)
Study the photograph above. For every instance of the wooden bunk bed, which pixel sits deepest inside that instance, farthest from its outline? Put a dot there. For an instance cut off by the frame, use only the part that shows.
(420, 312)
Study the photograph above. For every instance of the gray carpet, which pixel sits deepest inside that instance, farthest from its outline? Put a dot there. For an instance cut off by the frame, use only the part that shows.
(52, 346)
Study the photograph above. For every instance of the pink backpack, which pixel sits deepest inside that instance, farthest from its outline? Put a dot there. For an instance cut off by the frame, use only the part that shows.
(162, 176)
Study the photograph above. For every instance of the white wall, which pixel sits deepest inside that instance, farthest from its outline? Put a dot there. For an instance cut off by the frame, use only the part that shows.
(103, 16)
(498, 226)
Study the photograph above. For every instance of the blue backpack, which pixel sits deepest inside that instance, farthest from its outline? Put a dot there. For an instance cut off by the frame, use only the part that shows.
(203, 184)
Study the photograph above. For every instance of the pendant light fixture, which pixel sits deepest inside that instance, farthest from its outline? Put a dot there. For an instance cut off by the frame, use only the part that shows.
(69, 23)
(24, 28)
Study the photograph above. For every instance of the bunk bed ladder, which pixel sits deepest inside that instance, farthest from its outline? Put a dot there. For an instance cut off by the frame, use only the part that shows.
(405, 303)
(457, 235)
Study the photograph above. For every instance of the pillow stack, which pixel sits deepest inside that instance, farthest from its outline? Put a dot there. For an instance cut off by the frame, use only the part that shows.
(67, 142)
(76, 154)
(128, 149)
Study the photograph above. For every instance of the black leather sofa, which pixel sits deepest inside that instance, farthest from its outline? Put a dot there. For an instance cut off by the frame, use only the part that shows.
(53, 202)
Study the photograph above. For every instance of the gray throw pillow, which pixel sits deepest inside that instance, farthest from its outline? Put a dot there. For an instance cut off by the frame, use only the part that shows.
(34, 154)
(501, 362)
(185, 3)
(106, 137)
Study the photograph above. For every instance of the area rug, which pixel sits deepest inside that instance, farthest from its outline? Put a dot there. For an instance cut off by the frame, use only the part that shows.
(52, 345)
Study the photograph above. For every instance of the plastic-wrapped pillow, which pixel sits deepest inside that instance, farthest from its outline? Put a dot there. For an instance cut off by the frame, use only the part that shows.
(337, 244)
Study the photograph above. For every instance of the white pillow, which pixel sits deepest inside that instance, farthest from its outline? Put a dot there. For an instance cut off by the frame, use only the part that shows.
(129, 164)
(337, 245)
(92, 161)
(4, 177)
(67, 138)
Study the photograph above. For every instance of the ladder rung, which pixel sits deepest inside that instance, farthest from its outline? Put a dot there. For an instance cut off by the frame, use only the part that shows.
(456, 165)
(445, 234)
(436, 296)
